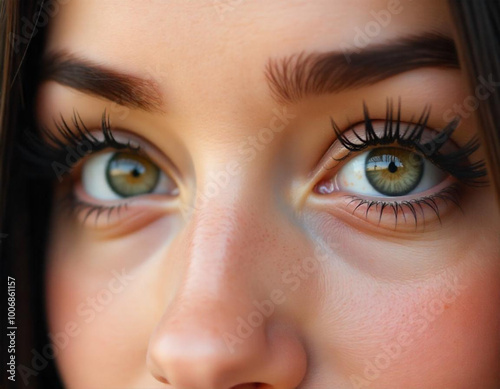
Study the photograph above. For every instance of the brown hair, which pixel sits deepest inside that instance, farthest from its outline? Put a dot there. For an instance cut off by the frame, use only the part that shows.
(478, 32)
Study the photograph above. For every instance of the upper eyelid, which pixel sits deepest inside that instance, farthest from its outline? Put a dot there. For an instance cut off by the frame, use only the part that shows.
(477, 171)
(67, 139)
(337, 147)
(429, 135)
(147, 150)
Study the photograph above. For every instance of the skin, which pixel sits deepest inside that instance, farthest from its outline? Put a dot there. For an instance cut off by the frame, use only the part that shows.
(354, 303)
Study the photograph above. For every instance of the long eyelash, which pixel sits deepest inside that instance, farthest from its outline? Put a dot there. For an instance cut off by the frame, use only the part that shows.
(46, 152)
(414, 207)
(455, 163)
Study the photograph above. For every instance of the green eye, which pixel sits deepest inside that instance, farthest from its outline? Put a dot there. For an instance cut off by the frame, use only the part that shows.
(129, 175)
(393, 171)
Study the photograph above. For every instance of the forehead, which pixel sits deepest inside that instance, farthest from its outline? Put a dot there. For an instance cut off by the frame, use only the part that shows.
(217, 49)
(129, 29)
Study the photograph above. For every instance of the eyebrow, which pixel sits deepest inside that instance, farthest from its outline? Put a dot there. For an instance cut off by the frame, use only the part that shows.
(294, 77)
(99, 80)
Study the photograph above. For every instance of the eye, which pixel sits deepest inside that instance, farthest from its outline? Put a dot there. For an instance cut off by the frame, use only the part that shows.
(386, 171)
(118, 175)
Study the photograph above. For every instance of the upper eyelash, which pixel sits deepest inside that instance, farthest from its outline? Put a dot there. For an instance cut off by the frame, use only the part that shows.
(41, 154)
(456, 163)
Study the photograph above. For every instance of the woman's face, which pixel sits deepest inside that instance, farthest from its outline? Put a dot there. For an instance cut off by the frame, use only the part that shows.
(236, 248)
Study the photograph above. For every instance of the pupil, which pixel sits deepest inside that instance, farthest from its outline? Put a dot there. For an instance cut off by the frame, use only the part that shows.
(136, 173)
(131, 175)
(392, 167)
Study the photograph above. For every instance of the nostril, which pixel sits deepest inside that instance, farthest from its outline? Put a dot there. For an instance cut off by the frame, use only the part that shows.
(161, 379)
(255, 385)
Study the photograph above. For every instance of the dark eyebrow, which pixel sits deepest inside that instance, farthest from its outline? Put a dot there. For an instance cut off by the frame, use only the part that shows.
(297, 76)
(99, 80)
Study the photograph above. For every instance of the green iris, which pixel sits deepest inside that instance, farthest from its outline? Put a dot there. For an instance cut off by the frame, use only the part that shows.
(393, 171)
(131, 175)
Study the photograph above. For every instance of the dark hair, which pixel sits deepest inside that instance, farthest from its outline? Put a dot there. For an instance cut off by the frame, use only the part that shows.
(26, 202)
(478, 30)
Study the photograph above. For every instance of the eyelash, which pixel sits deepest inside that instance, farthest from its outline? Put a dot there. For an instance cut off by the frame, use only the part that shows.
(455, 163)
(449, 194)
(43, 154)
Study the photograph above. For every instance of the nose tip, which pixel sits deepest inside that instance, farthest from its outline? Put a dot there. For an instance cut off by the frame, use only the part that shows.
(192, 361)
(192, 358)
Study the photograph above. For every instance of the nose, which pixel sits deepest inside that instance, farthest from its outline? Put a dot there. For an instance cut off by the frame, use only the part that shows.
(196, 356)
(224, 328)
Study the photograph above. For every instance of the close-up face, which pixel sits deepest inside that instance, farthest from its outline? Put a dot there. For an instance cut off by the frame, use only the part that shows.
(268, 194)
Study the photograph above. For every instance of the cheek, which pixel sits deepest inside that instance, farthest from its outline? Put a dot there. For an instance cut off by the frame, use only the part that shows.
(444, 330)
(97, 316)
(461, 344)
(456, 335)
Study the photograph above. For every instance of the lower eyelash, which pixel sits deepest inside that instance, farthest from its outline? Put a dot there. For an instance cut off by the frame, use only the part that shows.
(76, 207)
(414, 208)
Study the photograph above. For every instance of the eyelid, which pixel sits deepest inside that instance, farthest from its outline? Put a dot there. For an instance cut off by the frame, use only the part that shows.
(149, 151)
(108, 218)
(337, 153)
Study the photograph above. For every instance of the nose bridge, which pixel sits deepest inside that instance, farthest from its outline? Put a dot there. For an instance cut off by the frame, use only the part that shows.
(220, 244)
(203, 340)
(231, 224)
(220, 253)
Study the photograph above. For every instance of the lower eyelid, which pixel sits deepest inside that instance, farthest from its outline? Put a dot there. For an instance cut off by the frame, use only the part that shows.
(446, 183)
(417, 213)
(108, 215)
(118, 221)
(151, 200)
